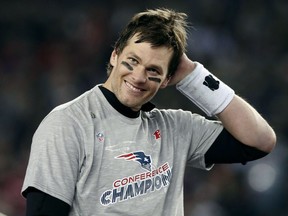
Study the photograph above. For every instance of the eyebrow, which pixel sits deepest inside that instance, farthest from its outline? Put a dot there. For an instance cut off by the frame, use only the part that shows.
(157, 67)
(134, 55)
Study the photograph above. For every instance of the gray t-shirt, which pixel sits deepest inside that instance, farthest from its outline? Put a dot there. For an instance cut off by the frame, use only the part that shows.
(103, 163)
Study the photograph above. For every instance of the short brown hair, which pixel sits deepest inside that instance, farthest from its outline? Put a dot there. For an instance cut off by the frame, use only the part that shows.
(160, 27)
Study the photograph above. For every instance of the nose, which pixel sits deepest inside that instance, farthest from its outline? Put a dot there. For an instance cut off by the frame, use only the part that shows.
(139, 75)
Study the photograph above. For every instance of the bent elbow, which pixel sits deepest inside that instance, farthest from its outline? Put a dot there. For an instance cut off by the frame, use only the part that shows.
(270, 141)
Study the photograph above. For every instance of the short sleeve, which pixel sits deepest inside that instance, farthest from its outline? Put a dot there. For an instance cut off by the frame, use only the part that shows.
(53, 165)
(204, 133)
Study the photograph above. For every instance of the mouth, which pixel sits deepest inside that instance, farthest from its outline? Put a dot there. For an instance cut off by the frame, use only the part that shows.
(133, 88)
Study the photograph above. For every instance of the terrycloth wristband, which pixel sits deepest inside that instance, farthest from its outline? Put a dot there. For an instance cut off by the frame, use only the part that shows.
(206, 91)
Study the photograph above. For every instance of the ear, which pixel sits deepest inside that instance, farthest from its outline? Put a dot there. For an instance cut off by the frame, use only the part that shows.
(113, 58)
(165, 82)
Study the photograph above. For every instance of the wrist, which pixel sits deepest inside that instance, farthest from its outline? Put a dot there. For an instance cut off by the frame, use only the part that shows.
(205, 90)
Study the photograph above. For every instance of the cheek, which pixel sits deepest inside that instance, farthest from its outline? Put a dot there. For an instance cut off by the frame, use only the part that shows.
(118, 70)
(155, 79)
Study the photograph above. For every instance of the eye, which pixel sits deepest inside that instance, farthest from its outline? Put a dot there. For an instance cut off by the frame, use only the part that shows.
(153, 70)
(132, 61)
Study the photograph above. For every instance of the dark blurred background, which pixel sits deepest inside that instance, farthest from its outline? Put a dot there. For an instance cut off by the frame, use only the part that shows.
(52, 51)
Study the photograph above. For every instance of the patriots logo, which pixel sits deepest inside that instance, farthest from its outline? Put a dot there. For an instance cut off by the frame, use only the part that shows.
(140, 157)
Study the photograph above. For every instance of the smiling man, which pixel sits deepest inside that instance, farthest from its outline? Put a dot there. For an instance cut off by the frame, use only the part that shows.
(138, 72)
(111, 152)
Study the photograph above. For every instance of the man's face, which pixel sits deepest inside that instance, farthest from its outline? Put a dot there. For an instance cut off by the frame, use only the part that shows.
(138, 73)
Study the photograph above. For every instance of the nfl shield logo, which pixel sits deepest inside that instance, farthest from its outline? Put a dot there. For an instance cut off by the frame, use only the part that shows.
(100, 137)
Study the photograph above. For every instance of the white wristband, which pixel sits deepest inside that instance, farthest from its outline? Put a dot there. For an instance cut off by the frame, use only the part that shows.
(205, 90)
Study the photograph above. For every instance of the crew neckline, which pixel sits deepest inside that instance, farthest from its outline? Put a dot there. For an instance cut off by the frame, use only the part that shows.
(124, 110)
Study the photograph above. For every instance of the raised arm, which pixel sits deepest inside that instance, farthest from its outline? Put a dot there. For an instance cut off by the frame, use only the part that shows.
(247, 125)
(238, 117)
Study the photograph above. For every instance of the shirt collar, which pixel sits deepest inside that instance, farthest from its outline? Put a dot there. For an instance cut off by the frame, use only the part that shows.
(127, 111)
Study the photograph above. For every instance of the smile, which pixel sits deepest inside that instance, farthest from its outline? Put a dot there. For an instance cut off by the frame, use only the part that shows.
(133, 88)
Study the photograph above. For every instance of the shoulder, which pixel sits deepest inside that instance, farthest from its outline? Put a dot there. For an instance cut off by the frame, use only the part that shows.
(80, 102)
(175, 114)
(183, 119)
(77, 109)
(74, 115)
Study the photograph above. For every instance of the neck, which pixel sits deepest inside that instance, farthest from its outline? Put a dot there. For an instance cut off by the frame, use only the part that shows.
(112, 99)
(124, 110)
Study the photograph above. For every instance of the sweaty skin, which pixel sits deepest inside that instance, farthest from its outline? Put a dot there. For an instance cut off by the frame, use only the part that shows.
(129, 67)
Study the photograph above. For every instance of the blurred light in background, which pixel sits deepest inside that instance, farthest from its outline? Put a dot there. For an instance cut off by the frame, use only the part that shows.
(261, 177)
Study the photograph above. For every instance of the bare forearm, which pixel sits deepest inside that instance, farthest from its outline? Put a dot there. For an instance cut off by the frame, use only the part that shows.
(216, 98)
(247, 125)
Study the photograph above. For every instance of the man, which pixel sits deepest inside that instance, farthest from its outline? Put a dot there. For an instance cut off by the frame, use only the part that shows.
(111, 152)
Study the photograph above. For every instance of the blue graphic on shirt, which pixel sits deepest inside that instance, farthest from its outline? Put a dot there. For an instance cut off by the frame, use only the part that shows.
(140, 184)
(140, 157)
